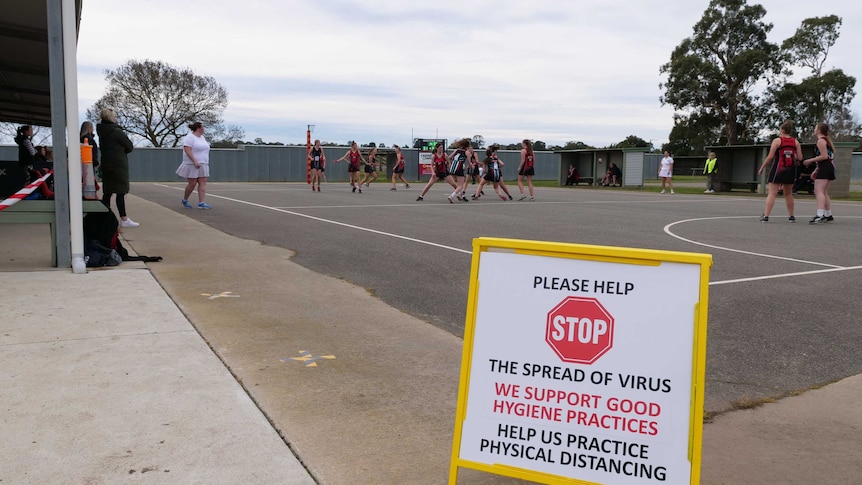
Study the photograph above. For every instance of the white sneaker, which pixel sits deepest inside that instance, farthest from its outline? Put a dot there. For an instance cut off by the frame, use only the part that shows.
(662, 191)
(128, 223)
(671, 191)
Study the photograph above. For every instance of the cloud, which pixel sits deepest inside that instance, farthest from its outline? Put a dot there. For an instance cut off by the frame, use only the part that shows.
(387, 70)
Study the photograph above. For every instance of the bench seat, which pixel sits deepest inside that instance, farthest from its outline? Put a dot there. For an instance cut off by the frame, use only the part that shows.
(42, 212)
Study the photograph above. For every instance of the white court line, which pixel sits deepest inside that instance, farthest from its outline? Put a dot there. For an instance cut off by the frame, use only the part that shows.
(353, 206)
(397, 236)
(721, 248)
(420, 241)
(786, 275)
(831, 267)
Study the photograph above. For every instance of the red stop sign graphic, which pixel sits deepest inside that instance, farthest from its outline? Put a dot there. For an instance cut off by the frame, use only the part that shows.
(580, 330)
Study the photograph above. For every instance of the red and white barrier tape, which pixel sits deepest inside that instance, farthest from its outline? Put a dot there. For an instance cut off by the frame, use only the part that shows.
(21, 194)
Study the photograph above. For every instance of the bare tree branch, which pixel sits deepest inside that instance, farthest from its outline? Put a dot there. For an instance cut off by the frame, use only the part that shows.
(155, 101)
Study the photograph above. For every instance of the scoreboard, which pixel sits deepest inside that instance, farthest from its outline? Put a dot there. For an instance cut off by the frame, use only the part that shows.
(428, 144)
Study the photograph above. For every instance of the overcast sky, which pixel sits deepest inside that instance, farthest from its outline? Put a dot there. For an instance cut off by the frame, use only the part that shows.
(388, 71)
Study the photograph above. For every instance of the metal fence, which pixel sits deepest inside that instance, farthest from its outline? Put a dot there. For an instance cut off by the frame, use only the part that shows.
(268, 163)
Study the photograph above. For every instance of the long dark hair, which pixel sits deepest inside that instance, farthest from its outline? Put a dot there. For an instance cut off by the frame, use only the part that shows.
(823, 128)
(21, 133)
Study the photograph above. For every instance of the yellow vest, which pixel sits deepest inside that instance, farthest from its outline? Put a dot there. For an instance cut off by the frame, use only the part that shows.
(710, 165)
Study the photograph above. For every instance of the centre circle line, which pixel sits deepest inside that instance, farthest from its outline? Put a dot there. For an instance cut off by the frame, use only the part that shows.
(667, 230)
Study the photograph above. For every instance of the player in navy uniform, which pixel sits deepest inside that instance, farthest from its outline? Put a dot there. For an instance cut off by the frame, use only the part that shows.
(473, 167)
(824, 174)
(458, 163)
(370, 168)
(493, 174)
(318, 163)
(784, 155)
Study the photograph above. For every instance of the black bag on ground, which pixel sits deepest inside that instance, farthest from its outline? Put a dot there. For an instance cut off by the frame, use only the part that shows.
(96, 255)
(104, 228)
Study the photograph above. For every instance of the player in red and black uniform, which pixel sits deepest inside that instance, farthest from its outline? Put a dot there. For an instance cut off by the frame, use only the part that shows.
(525, 168)
(784, 155)
(441, 171)
(353, 168)
(398, 169)
(823, 175)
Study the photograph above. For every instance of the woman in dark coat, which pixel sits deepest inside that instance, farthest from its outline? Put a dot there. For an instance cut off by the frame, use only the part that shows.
(115, 146)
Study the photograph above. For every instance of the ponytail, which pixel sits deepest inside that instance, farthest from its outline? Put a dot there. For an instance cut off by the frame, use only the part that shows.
(823, 129)
(21, 133)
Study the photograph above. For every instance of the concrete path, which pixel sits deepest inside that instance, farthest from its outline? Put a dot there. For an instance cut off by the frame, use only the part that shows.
(104, 378)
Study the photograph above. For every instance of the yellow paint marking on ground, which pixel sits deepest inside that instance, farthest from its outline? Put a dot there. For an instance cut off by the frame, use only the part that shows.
(308, 359)
(224, 294)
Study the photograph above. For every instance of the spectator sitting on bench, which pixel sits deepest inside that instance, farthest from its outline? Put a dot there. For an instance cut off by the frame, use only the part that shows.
(41, 160)
(574, 176)
(803, 179)
(40, 154)
(613, 176)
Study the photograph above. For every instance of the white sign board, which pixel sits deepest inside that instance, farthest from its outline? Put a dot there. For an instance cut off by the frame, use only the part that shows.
(583, 367)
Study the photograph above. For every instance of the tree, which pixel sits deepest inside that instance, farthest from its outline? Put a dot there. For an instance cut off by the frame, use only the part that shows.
(810, 45)
(576, 145)
(823, 96)
(41, 134)
(155, 101)
(712, 73)
(539, 146)
(845, 126)
(226, 137)
(478, 142)
(632, 141)
(813, 100)
(692, 134)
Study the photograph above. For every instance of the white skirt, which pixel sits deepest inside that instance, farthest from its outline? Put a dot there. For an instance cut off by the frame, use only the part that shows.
(188, 171)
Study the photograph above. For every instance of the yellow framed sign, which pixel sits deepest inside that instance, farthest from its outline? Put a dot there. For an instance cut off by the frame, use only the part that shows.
(583, 364)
